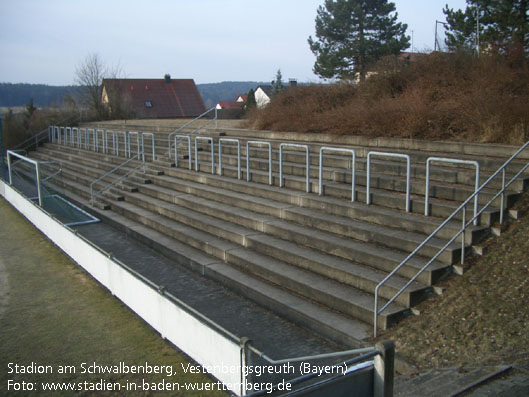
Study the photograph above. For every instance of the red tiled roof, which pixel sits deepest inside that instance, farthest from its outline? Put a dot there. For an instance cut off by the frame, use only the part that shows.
(231, 105)
(156, 98)
(244, 97)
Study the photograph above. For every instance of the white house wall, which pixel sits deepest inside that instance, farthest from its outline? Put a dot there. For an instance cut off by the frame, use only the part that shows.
(261, 99)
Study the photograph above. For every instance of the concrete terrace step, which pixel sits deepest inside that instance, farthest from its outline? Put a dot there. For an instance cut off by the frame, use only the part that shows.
(296, 280)
(323, 263)
(340, 164)
(314, 258)
(440, 208)
(257, 219)
(288, 234)
(310, 315)
(492, 156)
(269, 200)
(380, 197)
(218, 248)
(351, 273)
(379, 179)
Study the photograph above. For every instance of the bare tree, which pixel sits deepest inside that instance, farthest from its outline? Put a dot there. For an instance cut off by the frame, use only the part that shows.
(89, 74)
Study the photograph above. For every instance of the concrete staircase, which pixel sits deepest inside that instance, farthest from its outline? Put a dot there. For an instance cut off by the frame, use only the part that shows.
(313, 258)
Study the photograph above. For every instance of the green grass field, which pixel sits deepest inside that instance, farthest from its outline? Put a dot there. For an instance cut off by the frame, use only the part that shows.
(54, 317)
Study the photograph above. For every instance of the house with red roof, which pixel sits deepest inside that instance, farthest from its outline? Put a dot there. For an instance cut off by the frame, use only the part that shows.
(154, 98)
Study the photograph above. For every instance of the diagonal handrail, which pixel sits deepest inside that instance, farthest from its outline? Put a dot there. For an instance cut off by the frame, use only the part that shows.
(93, 194)
(465, 225)
(180, 129)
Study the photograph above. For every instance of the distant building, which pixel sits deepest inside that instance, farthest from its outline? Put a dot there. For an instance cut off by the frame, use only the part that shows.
(229, 105)
(231, 110)
(263, 94)
(154, 98)
(242, 98)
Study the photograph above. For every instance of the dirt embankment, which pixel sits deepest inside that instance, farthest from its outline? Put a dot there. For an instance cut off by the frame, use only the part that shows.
(482, 317)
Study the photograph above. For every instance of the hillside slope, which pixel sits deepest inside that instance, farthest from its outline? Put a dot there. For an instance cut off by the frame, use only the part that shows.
(482, 317)
(453, 97)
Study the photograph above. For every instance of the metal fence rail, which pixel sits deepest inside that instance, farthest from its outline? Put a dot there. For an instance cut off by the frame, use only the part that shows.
(238, 143)
(353, 168)
(262, 143)
(408, 174)
(212, 144)
(452, 161)
(188, 138)
(465, 225)
(307, 163)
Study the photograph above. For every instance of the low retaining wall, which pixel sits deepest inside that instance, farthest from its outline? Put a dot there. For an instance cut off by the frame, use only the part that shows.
(207, 346)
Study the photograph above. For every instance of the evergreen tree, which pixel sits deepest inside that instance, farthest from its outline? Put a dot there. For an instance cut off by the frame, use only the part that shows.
(503, 26)
(277, 85)
(250, 101)
(351, 35)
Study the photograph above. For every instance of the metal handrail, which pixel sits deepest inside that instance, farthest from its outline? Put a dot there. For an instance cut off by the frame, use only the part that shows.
(465, 225)
(178, 130)
(59, 171)
(212, 143)
(238, 143)
(453, 161)
(248, 174)
(312, 357)
(353, 167)
(189, 156)
(108, 186)
(307, 163)
(408, 174)
(129, 133)
(153, 141)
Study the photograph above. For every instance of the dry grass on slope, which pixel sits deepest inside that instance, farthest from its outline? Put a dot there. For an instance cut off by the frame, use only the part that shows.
(439, 97)
(482, 317)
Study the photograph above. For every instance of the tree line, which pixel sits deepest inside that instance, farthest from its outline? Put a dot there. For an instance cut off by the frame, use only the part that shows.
(42, 95)
(352, 35)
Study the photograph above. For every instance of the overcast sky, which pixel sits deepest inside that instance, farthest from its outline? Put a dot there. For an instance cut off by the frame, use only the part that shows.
(42, 41)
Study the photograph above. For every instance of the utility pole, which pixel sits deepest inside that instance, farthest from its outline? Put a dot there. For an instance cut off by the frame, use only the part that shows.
(477, 30)
(2, 158)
